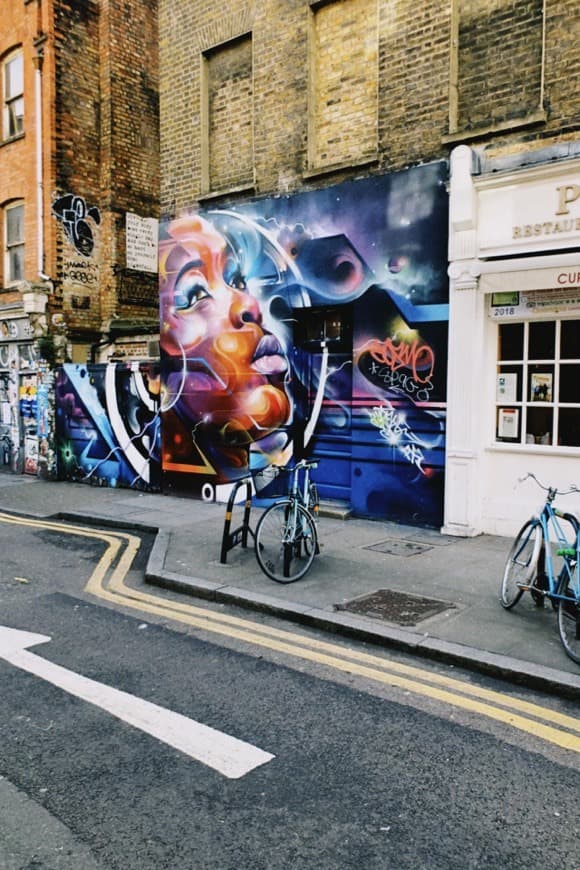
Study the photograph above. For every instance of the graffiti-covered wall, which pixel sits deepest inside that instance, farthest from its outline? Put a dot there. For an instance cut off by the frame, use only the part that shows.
(107, 424)
(311, 324)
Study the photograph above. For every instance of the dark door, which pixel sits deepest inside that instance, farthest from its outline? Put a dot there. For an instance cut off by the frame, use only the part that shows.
(322, 351)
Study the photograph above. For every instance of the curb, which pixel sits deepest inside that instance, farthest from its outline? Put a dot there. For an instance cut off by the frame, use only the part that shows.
(512, 670)
(516, 671)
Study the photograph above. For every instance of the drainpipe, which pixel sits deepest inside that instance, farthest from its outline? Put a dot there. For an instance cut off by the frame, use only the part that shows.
(38, 61)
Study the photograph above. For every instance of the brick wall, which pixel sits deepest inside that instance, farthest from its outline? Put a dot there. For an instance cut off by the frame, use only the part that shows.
(106, 135)
(499, 60)
(343, 90)
(18, 156)
(414, 75)
(230, 112)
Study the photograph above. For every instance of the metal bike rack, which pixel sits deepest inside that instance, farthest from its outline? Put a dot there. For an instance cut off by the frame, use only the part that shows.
(240, 535)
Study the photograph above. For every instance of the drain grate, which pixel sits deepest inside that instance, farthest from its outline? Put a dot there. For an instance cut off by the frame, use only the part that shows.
(398, 547)
(403, 608)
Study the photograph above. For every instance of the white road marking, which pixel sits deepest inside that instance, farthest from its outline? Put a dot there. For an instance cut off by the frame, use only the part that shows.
(229, 756)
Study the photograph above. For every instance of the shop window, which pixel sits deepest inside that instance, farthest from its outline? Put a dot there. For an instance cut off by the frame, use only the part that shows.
(13, 96)
(13, 243)
(538, 383)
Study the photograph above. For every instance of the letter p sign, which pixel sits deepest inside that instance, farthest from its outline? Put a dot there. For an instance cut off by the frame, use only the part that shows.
(566, 195)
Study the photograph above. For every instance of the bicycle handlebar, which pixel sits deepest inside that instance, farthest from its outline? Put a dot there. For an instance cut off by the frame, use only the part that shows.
(555, 490)
(307, 463)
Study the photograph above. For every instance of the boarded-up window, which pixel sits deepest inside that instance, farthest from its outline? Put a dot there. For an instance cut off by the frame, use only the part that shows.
(499, 61)
(229, 155)
(344, 82)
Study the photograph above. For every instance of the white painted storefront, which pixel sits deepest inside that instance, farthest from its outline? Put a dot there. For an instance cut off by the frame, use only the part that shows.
(514, 342)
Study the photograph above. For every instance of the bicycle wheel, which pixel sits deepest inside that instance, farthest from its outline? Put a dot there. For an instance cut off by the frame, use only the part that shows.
(569, 615)
(285, 541)
(521, 563)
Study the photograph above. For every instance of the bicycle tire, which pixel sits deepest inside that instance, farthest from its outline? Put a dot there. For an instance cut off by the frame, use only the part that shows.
(283, 555)
(521, 563)
(569, 617)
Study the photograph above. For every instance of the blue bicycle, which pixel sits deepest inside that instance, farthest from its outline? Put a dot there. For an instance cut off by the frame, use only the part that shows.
(545, 561)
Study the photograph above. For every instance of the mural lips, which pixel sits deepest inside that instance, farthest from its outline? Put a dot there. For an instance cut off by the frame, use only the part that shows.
(269, 357)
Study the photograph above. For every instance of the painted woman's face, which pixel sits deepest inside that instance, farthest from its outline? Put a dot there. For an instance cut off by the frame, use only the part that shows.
(228, 375)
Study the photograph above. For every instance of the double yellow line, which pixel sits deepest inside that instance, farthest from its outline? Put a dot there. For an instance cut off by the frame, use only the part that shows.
(121, 548)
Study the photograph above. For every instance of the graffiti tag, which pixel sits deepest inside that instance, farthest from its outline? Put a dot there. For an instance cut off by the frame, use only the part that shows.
(396, 432)
(74, 214)
(401, 381)
(81, 272)
(417, 357)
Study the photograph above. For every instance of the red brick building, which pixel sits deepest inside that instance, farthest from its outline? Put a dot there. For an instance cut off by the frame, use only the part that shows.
(79, 162)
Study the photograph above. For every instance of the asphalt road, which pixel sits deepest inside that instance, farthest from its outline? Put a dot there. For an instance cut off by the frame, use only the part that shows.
(360, 776)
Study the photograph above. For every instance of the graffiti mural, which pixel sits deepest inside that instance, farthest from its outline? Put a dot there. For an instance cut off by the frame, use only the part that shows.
(108, 425)
(77, 219)
(313, 323)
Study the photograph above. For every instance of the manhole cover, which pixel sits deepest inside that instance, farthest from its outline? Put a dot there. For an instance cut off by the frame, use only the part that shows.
(398, 547)
(404, 608)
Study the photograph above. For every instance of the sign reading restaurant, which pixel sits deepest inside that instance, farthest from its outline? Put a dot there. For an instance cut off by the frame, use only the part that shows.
(531, 210)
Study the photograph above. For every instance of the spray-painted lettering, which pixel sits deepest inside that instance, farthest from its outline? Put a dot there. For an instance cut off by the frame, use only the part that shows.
(417, 357)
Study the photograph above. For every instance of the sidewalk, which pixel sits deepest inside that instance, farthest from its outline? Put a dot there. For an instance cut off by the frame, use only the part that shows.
(453, 613)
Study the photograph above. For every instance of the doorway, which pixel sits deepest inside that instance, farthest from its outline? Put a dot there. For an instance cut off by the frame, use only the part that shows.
(322, 365)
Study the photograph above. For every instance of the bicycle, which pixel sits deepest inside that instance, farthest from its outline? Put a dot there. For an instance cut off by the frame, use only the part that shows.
(530, 566)
(286, 538)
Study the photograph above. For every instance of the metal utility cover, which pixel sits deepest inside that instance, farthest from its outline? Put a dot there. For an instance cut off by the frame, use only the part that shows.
(398, 547)
(403, 608)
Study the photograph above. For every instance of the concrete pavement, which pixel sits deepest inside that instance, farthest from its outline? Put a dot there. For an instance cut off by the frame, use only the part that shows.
(430, 594)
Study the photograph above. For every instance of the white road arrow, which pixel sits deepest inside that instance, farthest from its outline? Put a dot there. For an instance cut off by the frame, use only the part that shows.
(228, 755)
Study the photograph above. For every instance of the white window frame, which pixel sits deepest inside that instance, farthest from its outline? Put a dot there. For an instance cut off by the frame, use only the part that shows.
(12, 245)
(12, 100)
(526, 365)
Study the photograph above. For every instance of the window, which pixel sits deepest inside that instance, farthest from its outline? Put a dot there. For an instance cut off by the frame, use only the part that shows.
(14, 243)
(228, 121)
(497, 62)
(13, 99)
(538, 383)
(343, 95)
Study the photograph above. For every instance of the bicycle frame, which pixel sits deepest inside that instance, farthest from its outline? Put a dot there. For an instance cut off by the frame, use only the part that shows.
(286, 537)
(304, 494)
(530, 567)
(553, 534)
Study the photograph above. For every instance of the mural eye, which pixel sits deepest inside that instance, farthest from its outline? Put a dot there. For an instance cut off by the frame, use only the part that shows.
(233, 274)
(190, 287)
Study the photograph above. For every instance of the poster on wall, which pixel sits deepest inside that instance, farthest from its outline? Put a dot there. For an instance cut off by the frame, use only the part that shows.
(240, 392)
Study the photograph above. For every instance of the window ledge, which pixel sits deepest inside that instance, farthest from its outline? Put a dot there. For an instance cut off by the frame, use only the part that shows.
(12, 139)
(319, 171)
(534, 118)
(534, 449)
(209, 195)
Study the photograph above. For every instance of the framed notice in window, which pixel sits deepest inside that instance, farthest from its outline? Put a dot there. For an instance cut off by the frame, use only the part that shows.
(508, 422)
(540, 387)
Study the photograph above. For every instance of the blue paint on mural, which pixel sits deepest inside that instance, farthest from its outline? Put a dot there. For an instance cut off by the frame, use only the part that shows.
(108, 424)
(313, 323)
